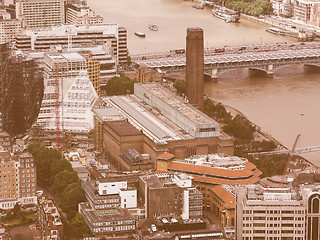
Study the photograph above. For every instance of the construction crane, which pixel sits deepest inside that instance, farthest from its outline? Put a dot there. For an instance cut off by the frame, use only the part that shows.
(296, 151)
(285, 171)
(57, 110)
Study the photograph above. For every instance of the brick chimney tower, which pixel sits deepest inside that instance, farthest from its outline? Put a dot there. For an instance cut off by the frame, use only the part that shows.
(194, 67)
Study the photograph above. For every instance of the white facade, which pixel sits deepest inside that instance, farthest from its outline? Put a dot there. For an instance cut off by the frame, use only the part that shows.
(39, 14)
(128, 198)
(108, 188)
(185, 206)
(77, 97)
(74, 36)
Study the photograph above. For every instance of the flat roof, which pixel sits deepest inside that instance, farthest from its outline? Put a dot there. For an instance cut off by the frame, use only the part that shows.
(113, 214)
(123, 128)
(178, 104)
(154, 125)
(107, 114)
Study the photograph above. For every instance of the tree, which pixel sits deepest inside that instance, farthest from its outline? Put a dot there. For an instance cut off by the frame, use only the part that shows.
(79, 225)
(180, 85)
(70, 198)
(119, 86)
(62, 180)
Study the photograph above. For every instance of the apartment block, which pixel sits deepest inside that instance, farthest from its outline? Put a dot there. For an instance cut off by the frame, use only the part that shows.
(17, 178)
(48, 219)
(40, 14)
(27, 178)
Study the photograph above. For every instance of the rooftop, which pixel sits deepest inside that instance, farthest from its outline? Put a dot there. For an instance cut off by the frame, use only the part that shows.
(226, 197)
(164, 180)
(178, 104)
(107, 215)
(108, 114)
(123, 128)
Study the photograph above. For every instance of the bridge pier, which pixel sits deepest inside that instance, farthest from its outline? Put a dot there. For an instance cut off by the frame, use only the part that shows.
(270, 69)
(214, 73)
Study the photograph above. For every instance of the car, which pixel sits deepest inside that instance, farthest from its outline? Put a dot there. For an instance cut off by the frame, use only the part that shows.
(302, 43)
(292, 45)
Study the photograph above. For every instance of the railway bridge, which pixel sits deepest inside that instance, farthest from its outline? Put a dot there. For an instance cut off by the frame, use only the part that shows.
(266, 61)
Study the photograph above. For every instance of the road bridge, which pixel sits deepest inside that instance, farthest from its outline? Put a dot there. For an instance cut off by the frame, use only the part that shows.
(266, 61)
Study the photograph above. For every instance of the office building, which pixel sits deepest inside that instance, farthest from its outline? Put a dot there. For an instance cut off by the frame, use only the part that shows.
(290, 212)
(170, 194)
(40, 14)
(9, 28)
(195, 67)
(49, 219)
(21, 92)
(106, 211)
(159, 121)
(75, 36)
(277, 213)
(81, 14)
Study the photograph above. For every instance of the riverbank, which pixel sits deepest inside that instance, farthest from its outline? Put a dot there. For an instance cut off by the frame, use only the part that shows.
(260, 135)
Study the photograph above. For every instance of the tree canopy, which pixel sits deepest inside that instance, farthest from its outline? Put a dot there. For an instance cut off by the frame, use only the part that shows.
(119, 86)
(180, 85)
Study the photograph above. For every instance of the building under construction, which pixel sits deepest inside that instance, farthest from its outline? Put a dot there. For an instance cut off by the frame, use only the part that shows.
(21, 91)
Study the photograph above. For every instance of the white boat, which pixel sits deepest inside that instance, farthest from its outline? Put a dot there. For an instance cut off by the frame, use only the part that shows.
(223, 14)
(140, 34)
(153, 27)
(275, 30)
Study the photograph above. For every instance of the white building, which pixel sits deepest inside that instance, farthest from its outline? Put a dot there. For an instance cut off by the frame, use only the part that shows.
(76, 36)
(9, 28)
(76, 100)
(279, 213)
(38, 14)
(128, 196)
(81, 14)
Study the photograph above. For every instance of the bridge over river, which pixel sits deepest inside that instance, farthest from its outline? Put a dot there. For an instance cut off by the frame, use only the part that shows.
(266, 61)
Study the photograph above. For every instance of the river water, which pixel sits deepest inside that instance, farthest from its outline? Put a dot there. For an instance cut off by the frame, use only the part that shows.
(283, 105)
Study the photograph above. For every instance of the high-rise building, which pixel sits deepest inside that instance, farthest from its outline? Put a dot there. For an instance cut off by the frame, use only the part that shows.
(9, 28)
(39, 14)
(195, 67)
(291, 212)
(21, 92)
(17, 177)
(81, 14)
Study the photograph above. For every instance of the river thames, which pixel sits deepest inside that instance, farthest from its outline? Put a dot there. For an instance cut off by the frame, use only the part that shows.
(284, 105)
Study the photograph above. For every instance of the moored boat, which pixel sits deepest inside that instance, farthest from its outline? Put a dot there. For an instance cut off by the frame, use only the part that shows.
(275, 30)
(153, 27)
(140, 34)
(198, 6)
(223, 14)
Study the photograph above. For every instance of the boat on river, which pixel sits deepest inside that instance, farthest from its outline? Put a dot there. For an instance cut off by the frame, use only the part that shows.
(198, 6)
(153, 27)
(223, 14)
(140, 34)
(275, 30)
